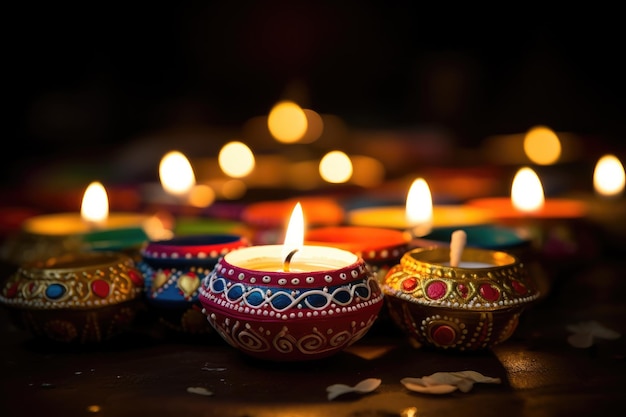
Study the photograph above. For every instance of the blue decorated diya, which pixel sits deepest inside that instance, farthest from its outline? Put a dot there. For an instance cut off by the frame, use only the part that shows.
(472, 306)
(173, 270)
(80, 298)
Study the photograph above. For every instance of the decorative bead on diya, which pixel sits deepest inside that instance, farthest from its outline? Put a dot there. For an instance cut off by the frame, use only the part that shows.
(173, 270)
(471, 306)
(82, 298)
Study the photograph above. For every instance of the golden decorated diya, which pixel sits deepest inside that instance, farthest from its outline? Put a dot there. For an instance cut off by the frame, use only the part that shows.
(80, 298)
(472, 304)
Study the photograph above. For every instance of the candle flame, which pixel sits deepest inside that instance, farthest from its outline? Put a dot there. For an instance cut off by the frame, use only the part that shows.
(527, 191)
(419, 207)
(608, 176)
(95, 204)
(294, 238)
(176, 173)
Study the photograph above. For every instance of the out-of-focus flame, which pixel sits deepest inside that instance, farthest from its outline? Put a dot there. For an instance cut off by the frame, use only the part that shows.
(236, 159)
(542, 145)
(201, 195)
(608, 176)
(335, 167)
(419, 207)
(527, 191)
(95, 204)
(176, 174)
(287, 122)
(315, 126)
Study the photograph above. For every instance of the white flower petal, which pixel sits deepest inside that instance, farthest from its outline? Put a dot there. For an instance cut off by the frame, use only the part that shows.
(477, 377)
(365, 386)
(604, 332)
(595, 328)
(580, 339)
(199, 390)
(413, 385)
(446, 382)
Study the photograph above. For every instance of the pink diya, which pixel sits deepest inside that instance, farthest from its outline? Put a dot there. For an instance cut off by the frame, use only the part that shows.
(291, 302)
(173, 270)
(80, 298)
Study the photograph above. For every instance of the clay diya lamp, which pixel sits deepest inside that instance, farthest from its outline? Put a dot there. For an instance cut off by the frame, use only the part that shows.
(78, 298)
(173, 270)
(312, 304)
(472, 304)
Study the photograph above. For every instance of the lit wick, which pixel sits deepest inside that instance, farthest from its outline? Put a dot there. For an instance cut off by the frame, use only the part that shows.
(287, 261)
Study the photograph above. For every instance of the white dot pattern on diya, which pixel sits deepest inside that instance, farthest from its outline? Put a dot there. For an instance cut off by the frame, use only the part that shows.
(281, 280)
(236, 296)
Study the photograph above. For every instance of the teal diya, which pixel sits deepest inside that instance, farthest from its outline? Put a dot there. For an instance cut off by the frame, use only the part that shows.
(76, 298)
(173, 270)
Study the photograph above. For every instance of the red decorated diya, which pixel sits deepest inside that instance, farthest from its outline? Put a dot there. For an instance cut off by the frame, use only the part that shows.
(472, 306)
(173, 270)
(324, 301)
(80, 298)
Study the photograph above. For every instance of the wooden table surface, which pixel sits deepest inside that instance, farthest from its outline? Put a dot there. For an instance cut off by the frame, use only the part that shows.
(149, 372)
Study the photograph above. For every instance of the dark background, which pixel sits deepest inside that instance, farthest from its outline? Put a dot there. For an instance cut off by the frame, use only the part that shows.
(91, 76)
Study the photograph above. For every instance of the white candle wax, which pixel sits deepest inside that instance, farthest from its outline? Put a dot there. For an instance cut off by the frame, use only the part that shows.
(308, 259)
